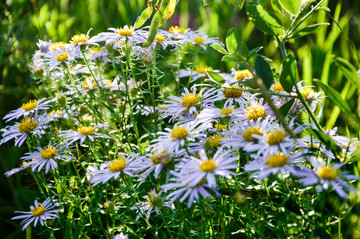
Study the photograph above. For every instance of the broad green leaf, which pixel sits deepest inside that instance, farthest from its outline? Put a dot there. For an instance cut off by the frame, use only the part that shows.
(309, 29)
(232, 40)
(288, 71)
(265, 20)
(335, 97)
(237, 3)
(145, 15)
(285, 108)
(255, 50)
(243, 50)
(263, 70)
(276, 5)
(348, 70)
(207, 2)
(292, 6)
(229, 58)
(219, 48)
(215, 77)
(249, 83)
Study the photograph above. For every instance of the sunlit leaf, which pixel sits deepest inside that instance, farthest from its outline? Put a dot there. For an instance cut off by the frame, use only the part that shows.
(309, 29)
(292, 6)
(263, 70)
(348, 70)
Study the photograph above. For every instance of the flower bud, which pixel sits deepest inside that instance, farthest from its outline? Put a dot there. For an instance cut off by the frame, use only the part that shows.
(109, 206)
(240, 199)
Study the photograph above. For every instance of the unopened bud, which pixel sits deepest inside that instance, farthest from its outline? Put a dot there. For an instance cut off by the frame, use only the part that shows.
(61, 99)
(240, 199)
(109, 206)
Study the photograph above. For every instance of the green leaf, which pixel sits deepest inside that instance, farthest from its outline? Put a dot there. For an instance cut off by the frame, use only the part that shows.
(237, 3)
(348, 70)
(309, 29)
(229, 58)
(265, 20)
(249, 83)
(215, 77)
(232, 40)
(288, 71)
(263, 70)
(219, 48)
(254, 51)
(145, 15)
(207, 2)
(324, 138)
(335, 97)
(276, 5)
(243, 50)
(285, 108)
(292, 6)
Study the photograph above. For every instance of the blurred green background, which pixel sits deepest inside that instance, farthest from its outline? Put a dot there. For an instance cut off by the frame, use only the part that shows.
(24, 22)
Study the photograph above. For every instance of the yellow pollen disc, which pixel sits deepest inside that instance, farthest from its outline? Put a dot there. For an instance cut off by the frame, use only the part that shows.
(214, 141)
(126, 31)
(189, 100)
(157, 158)
(62, 57)
(220, 126)
(117, 165)
(86, 85)
(202, 69)
(159, 37)
(226, 111)
(198, 40)
(240, 75)
(208, 166)
(248, 133)
(306, 93)
(56, 45)
(233, 92)
(86, 130)
(176, 29)
(161, 106)
(27, 125)
(179, 132)
(278, 160)
(82, 38)
(107, 82)
(48, 152)
(278, 87)
(38, 211)
(276, 137)
(327, 173)
(255, 112)
(29, 105)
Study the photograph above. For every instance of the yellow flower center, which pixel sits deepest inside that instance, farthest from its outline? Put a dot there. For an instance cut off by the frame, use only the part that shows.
(278, 160)
(306, 93)
(86, 130)
(255, 112)
(208, 166)
(27, 125)
(56, 45)
(82, 38)
(117, 165)
(202, 69)
(189, 100)
(29, 105)
(226, 111)
(126, 31)
(248, 133)
(233, 92)
(49, 152)
(176, 29)
(220, 126)
(277, 87)
(62, 57)
(157, 158)
(198, 40)
(276, 137)
(240, 75)
(327, 173)
(86, 85)
(159, 37)
(214, 141)
(38, 211)
(179, 132)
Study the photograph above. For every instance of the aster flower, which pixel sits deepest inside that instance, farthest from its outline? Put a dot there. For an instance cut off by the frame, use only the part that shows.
(98, 54)
(123, 34)
(24, 165)
(79, 40)
(214, 114)
(82, 133)
(201, 40)
(200, 71)
(253, 110)
(231, 95)
(156, 162)
(40, 212)
(28, 109)
(162, 38)
(22, 129)
(120, 236)
(45, 157)
(54, 58)
(176, 32)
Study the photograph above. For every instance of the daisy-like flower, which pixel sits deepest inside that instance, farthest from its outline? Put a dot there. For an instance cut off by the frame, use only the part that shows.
(28, 109)
(62, 55)
(113, 169)
(98, 54)
(79, 40)
(82, 133)
(325, 175)
(162, 38)
(120, 236)
(40, 212)
(200, 71)
(198, 169)
(231, 95)
(45, 157)
(214, 114)
(24, 165)
(154, 201)
(123, 34)
(22, 129)
(280, 162)
(176, 32)
(236, 76)
(201, 40)
(254, 110)
(156, 162)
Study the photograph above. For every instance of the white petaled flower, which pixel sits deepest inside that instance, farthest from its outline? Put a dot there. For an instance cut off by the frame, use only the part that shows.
(176, 32)
(28, 109)
(78, 40)
(280, 162)
(24, 165)
(183, 190)
(120, 34)
(45, 157)
(236, 76)
(214, 114)
(202, 40)
(154, 201)
(198, 169)
(98, 54)
(22, 129)
(82, 133)
(232, 94)
(162, 38)
(325, 175)
(156, 162)
(40, 212)
(120, 236)
(199, 72)
(254, 110)
(62, 55)
(113, 169)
